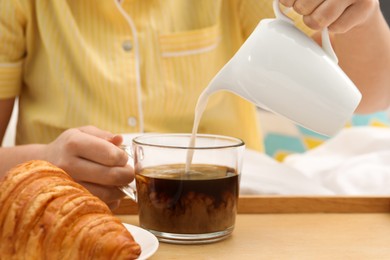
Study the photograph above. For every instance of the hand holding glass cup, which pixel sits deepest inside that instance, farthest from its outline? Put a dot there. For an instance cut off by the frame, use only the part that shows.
(186, 207)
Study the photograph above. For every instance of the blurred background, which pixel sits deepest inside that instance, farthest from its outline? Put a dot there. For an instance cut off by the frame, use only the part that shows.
(281, 136)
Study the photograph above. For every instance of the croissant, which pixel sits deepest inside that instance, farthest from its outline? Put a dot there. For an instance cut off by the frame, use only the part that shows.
(44, 214)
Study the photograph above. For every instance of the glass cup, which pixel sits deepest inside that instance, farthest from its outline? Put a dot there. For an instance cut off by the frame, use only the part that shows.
(193, 206)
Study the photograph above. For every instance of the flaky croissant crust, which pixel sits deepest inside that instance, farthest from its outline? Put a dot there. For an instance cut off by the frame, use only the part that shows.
(44, 214)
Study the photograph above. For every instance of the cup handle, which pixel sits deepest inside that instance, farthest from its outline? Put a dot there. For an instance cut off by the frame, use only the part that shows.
(326, 44)
(129, 189)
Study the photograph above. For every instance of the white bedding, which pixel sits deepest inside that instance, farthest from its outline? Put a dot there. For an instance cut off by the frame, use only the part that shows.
(354, 162)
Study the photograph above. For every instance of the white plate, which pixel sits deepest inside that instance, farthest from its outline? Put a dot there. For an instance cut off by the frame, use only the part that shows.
(145, 239)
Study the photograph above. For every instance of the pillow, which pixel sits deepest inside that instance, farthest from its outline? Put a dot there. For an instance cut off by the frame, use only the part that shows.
(282, 137)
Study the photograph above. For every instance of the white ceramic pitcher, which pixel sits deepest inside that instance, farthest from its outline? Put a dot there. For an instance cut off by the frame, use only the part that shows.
(281, 69)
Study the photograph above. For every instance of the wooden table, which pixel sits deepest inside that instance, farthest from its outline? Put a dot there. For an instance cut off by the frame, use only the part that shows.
(294, 228)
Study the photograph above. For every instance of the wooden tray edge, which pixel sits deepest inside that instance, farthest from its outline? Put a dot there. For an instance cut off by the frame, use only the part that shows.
(294, 204)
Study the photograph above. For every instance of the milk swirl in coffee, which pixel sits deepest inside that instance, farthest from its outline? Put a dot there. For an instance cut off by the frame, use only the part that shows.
(201, 201)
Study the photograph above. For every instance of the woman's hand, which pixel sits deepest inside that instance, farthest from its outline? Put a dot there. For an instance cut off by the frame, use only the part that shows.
(92, 157)
(339, 16)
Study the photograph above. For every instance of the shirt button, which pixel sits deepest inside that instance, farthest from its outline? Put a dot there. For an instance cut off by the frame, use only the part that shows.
(127, 46)
(132, 121)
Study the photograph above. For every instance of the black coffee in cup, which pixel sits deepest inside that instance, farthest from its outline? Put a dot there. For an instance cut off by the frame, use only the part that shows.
(203, 200)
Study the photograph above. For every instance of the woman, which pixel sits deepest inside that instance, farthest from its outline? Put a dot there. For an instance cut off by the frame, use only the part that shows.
(139, 66)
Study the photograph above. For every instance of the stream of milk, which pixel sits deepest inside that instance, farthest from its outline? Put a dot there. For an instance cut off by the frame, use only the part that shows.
(199, 109)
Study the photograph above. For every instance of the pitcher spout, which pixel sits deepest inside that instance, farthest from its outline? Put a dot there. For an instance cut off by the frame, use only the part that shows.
(228, 79)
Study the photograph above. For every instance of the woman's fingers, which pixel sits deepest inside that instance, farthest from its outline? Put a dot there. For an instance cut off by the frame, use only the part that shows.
(325, 14)
(338, 15)
(303, 7)
(287, 3)
(76, 143)
(92, 158)
(109, 194)
(97, 150)
(114, 204)
(353, 16)
(84, 170)
(112, 138)
(89, 158)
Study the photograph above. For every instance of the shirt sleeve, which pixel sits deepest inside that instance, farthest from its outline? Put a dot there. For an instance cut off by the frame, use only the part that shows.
(12, 47)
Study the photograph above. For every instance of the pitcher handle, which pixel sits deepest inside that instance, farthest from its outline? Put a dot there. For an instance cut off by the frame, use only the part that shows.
(129, 189)
(326, 44)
